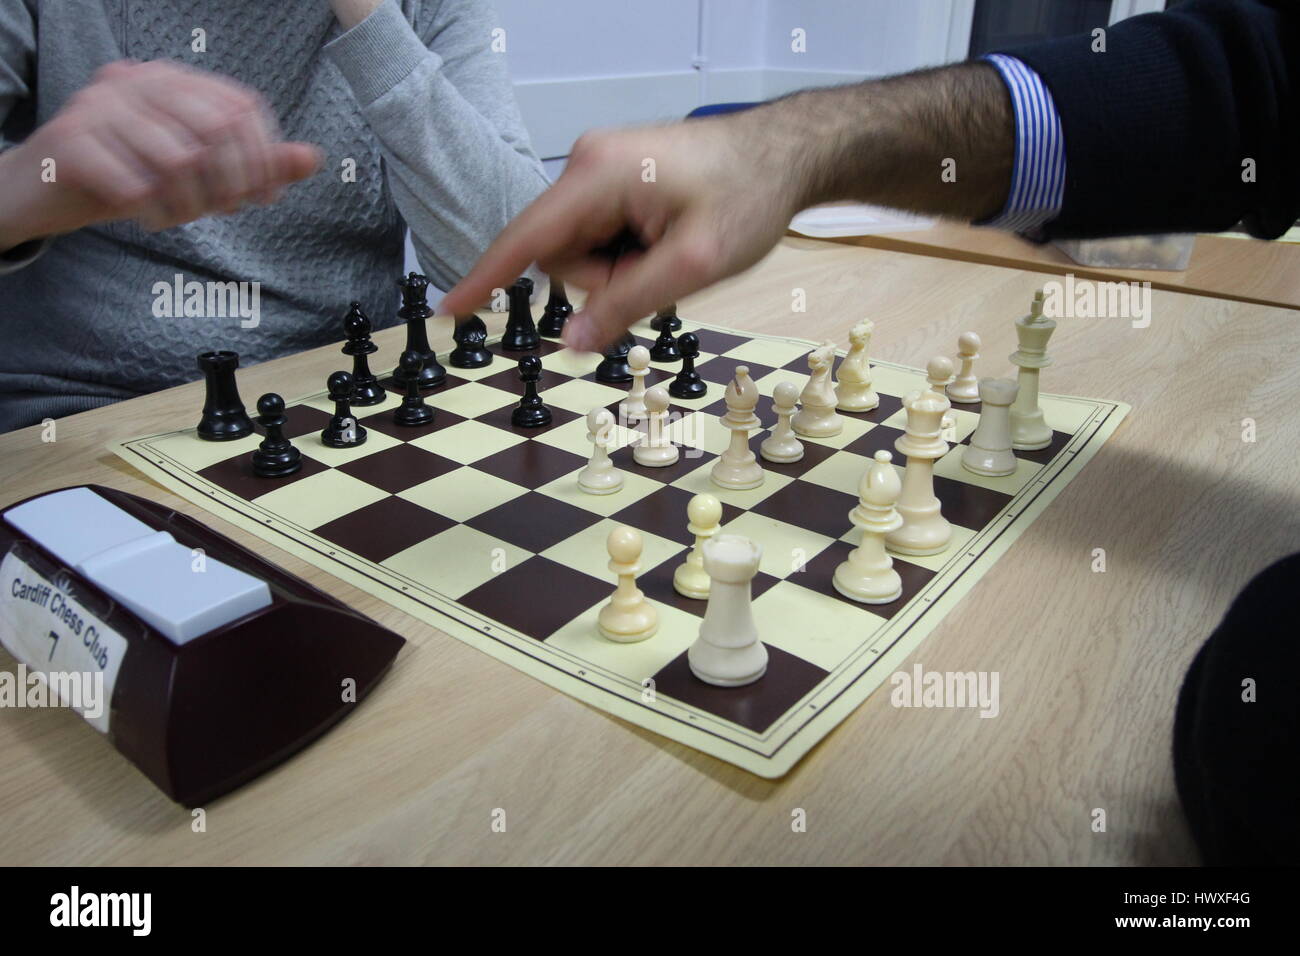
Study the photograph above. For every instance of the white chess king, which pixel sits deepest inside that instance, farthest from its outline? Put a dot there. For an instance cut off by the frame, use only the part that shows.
(728, 652)
(1029, 431)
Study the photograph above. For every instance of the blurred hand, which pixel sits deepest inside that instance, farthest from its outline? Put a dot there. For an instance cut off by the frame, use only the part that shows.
(158, 142)
(706, 198)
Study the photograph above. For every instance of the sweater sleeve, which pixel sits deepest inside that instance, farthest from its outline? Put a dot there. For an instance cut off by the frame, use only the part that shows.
(1185, 122)
(17, 69)
(441, 105)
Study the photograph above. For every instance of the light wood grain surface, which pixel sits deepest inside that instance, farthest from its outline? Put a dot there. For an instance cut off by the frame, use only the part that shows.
(1248, 270)
(1089, 663)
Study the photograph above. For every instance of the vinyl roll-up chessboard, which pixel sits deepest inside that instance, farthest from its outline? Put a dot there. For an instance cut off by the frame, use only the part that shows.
(479, 529)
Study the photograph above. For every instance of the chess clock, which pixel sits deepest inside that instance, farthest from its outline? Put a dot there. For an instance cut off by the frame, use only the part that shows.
(203, 663)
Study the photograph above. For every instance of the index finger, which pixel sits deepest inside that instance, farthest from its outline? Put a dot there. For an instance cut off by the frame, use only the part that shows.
(565, 217)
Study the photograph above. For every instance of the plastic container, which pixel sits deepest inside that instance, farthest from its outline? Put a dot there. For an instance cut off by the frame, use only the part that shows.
(1168, 252)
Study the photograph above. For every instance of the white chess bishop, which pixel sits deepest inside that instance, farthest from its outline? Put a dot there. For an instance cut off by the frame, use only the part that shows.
(989, 452)
(854, 391)
(728, 652)
(1029, 431)
(737, 468)
(965, 388)
(817, 417)
(868, 574)
(924, 530)
(600, 477)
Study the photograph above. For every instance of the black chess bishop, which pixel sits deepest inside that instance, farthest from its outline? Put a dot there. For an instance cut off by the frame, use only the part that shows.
(275, 457)
(688, 383)
(224, 418)
(343, 430)
(415, 313)
(530, 413)
(413, 411)
(366, 389)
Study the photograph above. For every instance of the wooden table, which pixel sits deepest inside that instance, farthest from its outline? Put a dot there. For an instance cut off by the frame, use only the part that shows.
(1247, 270)
(1089, 663)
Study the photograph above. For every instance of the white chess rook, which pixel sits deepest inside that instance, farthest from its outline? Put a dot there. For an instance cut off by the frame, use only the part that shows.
(868, 575)
(924, 530)
(965, 388)
(783, 445)
(1029, 431)
(989, 452)
(728, 652)
(817, 417)
(690, 579)
(737, 468)
(853, 391)
(628, 617)
(600, 477)
(656, 449)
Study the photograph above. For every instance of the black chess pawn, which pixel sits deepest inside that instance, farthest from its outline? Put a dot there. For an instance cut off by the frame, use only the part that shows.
(613, 368)
(224, 418)
(557, 311)
(415, 312)
(366, 389)
(520, 334)
(665, 346)
(413, 411)
(688, 383)
(343, 431)
(530, 413)
(275, 457)
(666, 315)
(471, 349)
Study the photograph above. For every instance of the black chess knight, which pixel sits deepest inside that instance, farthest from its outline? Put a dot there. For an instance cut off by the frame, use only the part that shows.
(415, 312)
(613, 368)
(366, 389)
(471, 349)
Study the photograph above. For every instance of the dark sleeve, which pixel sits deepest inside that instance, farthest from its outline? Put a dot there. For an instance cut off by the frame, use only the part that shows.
(1158, 126)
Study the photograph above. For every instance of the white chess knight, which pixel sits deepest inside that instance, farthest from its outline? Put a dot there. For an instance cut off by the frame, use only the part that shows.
(853, 390)
(628, 617)
(868, 574)
(924, 529)
(783, 445)
(656, 449)
(704, 514)
(638, 361)
(965, 388)
(600, 477)
(737, 468)
(1029, 431)
(728, 652)
(817, 417)
(989, 452)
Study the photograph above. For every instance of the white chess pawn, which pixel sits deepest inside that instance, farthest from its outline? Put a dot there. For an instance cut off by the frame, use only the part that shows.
(853, 391)
(868, 574)
(965, 388)
(783, 446)
(1029, 431)
(728, 652)
(924, 530)
(704, 513)
(628, 617)
(737, 468)
(817, 417)
(989, 452)
(638, 361)
(600, 477)
(655, 449)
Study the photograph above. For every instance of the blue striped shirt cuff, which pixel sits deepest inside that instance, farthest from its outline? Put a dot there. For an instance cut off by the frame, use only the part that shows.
(1038, 173)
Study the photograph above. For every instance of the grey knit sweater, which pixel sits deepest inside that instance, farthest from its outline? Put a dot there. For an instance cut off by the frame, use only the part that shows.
(413, 96)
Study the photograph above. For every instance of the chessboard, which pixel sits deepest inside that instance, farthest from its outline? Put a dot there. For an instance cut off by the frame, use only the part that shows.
(478, 528)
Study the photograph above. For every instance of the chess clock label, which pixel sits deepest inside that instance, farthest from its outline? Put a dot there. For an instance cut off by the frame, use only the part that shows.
(54, 635)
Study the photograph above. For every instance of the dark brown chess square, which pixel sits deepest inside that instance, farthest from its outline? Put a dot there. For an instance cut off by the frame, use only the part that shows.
(813, 455)
(880, 438)
(721, 370)
(451, 381)
(664, 513)
(715, 342)
(819, 573)
(968, 505)
(508, 379)
(806, 505)
(380, 530)
(398, 468)
(1044, 456)
(688, 459)
(383, 422)
(537, 597)
(889, 404)
(546, 347)
(654, 376)
(500, 418)
(302, 420)
(533, 521)
(657, 585)
(756, 706)
(236, 476)
(530, 464)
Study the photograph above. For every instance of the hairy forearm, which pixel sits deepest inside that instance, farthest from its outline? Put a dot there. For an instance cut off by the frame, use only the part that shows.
(938, 141)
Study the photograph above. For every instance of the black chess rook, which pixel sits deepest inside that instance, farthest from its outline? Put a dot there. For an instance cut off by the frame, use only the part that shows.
(224, 418)
(366, 389)
(275, 457)
(415, 312)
